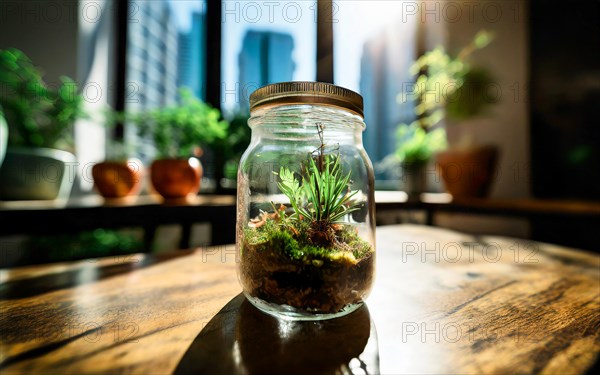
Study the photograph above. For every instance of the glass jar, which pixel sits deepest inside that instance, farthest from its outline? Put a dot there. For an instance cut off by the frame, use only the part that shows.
(305, 209)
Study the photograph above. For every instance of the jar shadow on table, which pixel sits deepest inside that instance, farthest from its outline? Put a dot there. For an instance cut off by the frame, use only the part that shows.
(242, 340)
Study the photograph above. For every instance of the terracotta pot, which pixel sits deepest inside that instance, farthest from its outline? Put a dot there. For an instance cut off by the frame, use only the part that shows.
(468, 173)
(176, 178)
(117, 179)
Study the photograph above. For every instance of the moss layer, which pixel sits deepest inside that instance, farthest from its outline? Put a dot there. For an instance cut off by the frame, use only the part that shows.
(293, 241)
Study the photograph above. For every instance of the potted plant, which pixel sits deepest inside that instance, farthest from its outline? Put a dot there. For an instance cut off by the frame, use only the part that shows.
(448, 88)
(463, 92)
(178, 132)
(118, 176)
(416, 146)
(304, 257)
(40, 121)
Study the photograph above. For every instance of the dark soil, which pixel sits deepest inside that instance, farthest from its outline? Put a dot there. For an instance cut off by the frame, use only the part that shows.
(279, 267)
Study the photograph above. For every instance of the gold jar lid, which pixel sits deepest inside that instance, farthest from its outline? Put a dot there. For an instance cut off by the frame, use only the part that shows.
(307, 93)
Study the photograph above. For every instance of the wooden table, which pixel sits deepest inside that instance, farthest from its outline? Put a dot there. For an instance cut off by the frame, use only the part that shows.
(444, 302)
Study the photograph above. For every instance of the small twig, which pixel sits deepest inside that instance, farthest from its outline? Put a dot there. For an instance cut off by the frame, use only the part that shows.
(321, 149)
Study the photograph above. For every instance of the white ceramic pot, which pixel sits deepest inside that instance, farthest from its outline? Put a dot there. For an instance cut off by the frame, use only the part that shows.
(36, 174)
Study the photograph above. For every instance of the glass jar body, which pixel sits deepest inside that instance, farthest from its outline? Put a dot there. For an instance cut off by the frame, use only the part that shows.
(305, 212)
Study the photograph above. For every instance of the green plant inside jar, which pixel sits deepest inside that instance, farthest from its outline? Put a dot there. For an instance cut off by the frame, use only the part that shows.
(305, 256)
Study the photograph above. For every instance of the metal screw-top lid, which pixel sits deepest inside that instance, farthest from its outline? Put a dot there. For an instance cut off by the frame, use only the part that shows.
(307, 93)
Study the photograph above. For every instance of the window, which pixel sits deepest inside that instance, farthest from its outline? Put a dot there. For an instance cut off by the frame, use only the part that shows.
(174, 43)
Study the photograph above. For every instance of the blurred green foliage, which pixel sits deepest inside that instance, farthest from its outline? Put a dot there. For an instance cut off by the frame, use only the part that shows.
(473, 97)
(231, 148)
(37, 115)
(179, 130)
(579, 154)
(91, 244)
(445, 86)
(417, 146)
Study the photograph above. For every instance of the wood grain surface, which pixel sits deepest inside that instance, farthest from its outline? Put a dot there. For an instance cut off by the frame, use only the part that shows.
(443, 302)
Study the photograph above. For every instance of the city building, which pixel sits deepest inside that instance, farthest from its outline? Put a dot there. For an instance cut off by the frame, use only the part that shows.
(384, 74)
(265, 57)
(151, 56)
(191, 61)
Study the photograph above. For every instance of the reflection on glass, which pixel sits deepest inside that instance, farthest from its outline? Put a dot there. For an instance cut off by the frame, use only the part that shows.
(265, 42)
(374, 59)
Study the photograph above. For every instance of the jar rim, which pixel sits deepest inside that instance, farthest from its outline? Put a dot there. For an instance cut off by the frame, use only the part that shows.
(306, 92)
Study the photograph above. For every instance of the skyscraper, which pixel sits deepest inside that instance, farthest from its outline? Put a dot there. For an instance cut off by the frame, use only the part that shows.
(151, 56)
(265, 57)
(190, 59)
(385, 64)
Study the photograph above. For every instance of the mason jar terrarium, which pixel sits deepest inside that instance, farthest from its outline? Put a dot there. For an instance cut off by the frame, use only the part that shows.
(305, 209)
